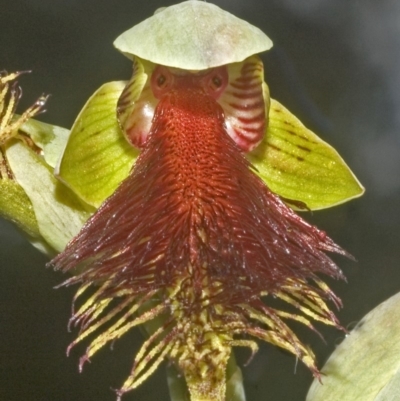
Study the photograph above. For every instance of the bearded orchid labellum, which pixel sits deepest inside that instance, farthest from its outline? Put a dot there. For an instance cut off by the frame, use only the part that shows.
(192, 231)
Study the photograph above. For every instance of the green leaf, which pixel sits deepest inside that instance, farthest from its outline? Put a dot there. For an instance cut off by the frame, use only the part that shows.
(366, 365)
(297, 165)
(97, 156)
(59, 214)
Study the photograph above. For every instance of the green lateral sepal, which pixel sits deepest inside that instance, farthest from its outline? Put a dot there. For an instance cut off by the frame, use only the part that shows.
(97, 156)
(299, 166)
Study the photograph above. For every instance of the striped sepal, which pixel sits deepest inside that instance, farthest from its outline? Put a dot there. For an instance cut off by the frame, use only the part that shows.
(244, 104)
(299, 166)
(136, 104)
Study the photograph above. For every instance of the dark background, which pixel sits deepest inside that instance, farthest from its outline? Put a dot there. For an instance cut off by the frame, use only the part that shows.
(335, 64)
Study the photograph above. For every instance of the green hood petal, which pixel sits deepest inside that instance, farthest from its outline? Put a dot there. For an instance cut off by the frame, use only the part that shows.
(193, 35)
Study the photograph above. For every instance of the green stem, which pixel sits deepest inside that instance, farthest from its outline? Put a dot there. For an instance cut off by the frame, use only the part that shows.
(178, 390)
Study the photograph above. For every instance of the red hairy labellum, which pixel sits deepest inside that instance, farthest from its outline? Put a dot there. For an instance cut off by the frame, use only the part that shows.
(193, 227)
(192, 207)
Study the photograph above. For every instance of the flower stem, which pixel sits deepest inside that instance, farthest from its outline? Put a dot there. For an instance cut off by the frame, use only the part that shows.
(178, 390)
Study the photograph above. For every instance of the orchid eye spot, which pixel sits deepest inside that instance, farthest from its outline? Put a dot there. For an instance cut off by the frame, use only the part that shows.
(217, 81)
(161, 80)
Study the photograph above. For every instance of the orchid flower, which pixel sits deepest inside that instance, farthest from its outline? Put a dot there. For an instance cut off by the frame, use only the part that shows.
(190, 174)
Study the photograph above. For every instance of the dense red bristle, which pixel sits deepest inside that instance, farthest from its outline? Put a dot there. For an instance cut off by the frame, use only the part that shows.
(192, 209)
